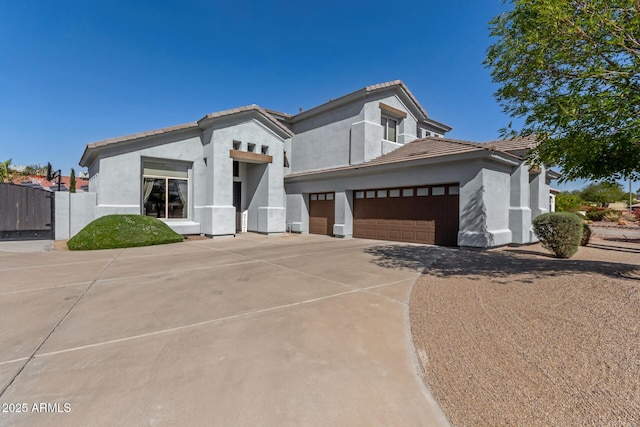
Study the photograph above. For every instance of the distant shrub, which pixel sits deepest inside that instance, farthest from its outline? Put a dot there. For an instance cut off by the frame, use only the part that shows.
(612, 216)
(586, 234)
(636, 213)
(560, 232)
(602, 214)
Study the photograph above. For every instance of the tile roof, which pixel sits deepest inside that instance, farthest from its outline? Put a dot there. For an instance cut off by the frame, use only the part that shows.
(401, 84)
(190, 125)
(252, 107)
(366, 90)
(514, 144)
(41, 181)
(273, 116)
(425, 148)
(131, 137)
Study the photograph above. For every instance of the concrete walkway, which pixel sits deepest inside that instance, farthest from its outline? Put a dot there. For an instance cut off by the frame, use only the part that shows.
(26, 246)
(253, 330)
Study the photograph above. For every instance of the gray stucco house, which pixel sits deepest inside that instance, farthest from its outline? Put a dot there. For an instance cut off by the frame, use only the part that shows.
(369, 164)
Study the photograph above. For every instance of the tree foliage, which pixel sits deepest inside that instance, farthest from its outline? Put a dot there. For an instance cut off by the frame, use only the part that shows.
(4, 170)
(72, 181)
(571, 70)
(567, 202)
(603, 193)
(35, 169)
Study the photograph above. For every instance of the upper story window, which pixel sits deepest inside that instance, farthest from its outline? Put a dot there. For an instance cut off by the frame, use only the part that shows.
(390, 118)
(389, 128)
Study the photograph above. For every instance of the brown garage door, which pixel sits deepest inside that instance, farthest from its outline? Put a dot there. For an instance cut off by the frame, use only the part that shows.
(425, 214)
(321, 213)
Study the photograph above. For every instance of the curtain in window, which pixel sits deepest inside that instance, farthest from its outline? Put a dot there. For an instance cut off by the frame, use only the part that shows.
(183, 193)
(148, 187)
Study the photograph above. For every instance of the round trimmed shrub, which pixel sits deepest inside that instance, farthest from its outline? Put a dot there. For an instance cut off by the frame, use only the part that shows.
(123, 231)
(560, 232)
(586, 234)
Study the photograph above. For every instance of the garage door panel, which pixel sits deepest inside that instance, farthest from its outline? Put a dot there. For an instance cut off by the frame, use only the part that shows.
(394, 234)
(370, 233)
(321, 213)
(422, 237)
(382, 234)
(317, 225)
(408, 217)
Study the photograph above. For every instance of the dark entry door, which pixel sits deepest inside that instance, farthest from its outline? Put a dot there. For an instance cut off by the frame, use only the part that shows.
(237, 203)
(26, 213)
(237, 196)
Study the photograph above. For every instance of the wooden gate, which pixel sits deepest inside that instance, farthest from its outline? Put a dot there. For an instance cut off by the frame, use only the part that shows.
(26, 213)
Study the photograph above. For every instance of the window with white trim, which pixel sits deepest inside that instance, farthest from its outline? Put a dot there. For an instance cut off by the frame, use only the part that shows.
(389, 128)
(165, 190)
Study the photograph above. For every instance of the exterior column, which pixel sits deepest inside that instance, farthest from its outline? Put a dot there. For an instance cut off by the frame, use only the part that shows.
(539, 196)
(343, 226)
(519, 211)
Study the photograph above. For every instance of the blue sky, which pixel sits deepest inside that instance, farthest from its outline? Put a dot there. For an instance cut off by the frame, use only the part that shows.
(74, 72)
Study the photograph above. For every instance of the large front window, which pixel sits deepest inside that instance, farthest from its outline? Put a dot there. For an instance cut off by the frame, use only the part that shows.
(165, 190)
(389, 129)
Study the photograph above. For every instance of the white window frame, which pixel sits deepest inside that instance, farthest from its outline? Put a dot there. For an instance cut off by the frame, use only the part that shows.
(166, 186)
(384, 122)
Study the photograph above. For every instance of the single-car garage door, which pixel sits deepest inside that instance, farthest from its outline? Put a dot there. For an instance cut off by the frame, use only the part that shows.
(424, 214)
(321, 213)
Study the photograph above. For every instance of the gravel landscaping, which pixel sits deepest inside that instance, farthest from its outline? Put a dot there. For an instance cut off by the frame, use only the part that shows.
(515, 337)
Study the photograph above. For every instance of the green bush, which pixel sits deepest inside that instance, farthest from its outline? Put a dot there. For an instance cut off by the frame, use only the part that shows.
(123, 231)
(598, 214)
(586, 234)
(560, 232)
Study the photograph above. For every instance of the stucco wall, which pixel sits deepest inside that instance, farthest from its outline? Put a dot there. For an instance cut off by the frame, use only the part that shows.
(118, 176)
(349, 134)
(484, 201)
(73, 212)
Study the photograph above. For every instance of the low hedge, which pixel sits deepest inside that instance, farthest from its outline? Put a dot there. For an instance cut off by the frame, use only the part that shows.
(123, 231)
(560, 232)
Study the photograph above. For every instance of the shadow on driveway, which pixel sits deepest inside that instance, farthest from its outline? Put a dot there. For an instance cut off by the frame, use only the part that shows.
(446, 262)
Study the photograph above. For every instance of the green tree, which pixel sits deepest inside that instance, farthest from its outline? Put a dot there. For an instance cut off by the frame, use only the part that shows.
(570, 69)
(566, 202)
(603, 193)
(35, 169)
(4, 170)
(72, 181)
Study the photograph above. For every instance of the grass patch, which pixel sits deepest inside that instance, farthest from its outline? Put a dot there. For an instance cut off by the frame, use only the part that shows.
(123, 231)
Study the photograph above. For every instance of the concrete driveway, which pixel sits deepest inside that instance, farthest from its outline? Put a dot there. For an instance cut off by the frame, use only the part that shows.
(246, 331)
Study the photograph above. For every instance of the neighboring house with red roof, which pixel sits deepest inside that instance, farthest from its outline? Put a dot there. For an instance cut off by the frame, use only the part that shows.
(82, 184)
(370, 164)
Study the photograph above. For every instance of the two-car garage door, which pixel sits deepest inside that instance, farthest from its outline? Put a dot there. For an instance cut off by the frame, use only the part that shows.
(424, 214)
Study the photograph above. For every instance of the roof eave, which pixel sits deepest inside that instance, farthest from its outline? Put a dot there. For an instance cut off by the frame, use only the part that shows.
(396, 85)
(497, 156)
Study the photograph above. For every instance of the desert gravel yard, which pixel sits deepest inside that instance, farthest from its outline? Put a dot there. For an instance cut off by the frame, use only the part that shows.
(514, 337)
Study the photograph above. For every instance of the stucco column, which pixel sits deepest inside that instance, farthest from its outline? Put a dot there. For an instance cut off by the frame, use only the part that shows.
(343, 225)
(298, 213)
(539, 193)
(519, 211)
(484, 214)
(272, 216)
